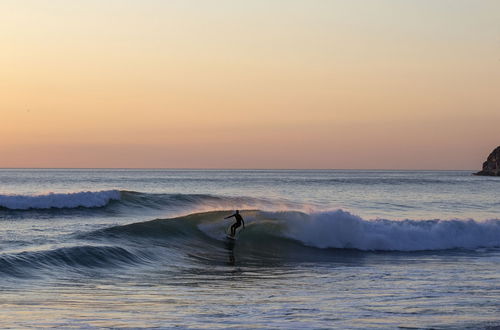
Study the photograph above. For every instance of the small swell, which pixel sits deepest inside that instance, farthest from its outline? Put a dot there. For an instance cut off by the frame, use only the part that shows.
(25, 263)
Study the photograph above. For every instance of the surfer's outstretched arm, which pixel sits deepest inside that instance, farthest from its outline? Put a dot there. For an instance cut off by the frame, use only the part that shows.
(229, 216)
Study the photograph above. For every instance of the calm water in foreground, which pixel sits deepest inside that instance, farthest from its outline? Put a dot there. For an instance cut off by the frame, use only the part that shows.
(321, 249)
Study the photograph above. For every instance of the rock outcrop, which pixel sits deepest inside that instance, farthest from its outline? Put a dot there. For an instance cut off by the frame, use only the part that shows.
(492, 165)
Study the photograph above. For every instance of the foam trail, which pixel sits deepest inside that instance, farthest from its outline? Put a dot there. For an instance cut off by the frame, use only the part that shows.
(340, 229)
(87, 199)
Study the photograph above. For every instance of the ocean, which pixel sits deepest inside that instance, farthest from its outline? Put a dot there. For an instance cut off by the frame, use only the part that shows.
(111, 248)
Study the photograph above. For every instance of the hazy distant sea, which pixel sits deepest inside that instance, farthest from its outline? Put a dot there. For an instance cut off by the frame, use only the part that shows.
(321, 249)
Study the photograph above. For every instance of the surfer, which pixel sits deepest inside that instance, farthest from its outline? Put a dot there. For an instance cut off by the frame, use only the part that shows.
(239, 221)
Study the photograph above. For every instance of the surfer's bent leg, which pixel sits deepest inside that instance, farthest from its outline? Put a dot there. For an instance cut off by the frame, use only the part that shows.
(233, 228)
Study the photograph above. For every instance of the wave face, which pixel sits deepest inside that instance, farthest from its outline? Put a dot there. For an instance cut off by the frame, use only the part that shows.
(87, 199)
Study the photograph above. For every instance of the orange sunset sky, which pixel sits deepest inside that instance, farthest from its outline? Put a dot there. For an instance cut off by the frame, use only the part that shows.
(249, 84)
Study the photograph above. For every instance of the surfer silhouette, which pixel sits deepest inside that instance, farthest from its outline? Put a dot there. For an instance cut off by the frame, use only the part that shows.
(239, 220)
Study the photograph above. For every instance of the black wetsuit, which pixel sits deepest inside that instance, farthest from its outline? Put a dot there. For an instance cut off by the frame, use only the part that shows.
(239, 220)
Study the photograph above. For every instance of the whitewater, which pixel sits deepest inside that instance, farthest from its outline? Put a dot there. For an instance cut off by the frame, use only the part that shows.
(320, 249)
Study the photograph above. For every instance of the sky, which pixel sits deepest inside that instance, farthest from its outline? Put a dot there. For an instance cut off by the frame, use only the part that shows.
(382, 84)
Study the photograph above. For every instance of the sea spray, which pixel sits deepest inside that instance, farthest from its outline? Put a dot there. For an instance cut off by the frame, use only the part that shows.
(341, 229)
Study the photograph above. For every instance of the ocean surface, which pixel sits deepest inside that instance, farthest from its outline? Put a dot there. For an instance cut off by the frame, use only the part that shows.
(320, 249)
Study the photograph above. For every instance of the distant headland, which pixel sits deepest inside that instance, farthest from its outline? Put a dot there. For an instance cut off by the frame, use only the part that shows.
(491, 166)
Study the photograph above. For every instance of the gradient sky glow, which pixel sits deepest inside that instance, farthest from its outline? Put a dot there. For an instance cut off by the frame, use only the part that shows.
(249, 84)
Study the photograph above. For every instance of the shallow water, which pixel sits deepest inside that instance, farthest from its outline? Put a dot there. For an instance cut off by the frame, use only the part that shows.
(321, 249)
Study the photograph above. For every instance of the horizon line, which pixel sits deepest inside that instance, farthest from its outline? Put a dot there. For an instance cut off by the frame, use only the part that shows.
(228, 169)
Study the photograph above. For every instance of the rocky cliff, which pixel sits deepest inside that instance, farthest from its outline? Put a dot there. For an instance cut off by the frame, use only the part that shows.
(492, 165)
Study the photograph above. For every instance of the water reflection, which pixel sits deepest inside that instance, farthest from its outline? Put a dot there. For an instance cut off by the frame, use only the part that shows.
(230, 248)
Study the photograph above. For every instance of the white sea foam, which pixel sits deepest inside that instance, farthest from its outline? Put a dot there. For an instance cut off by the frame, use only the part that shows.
(59, 200)
(340, 229)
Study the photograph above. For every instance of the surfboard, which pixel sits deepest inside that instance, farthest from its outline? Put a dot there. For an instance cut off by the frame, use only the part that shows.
(231, 237)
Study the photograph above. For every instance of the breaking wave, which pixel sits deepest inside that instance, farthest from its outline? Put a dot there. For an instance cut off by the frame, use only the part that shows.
(323, 230)
(121, 200)
(340, 229)
(88, 199)
(268, 237)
